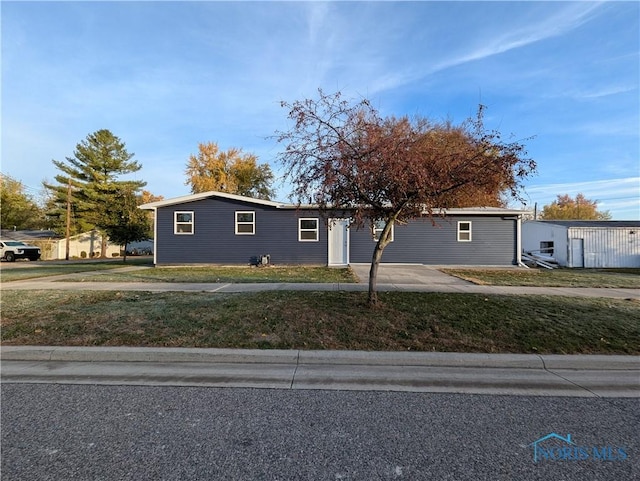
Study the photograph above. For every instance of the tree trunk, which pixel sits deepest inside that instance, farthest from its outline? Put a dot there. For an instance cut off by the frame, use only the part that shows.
(125, 252)
(373, 275)
(385, 238)
(103, 245)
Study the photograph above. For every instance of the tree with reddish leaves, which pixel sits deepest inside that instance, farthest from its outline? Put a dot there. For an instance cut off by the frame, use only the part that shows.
(345, 156)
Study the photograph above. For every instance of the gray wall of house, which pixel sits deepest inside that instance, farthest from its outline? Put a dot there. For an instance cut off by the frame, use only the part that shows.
(214, 239)
(493, 242)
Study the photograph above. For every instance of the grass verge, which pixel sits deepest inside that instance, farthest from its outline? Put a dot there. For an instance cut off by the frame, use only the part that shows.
(217, 274)
(104, 272)
(33, 270)
(612, 278)
(323, 320)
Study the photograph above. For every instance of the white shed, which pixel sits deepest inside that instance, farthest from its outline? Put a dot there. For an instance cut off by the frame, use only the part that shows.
(584, 243)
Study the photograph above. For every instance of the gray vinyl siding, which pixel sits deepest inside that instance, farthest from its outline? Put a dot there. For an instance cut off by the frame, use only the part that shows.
(214, 240)
(493, 242)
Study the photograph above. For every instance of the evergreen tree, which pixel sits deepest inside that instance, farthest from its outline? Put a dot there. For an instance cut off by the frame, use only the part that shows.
(90, 181)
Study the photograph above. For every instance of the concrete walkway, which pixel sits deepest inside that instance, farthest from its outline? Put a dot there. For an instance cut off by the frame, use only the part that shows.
(503, 374)
(410, 278)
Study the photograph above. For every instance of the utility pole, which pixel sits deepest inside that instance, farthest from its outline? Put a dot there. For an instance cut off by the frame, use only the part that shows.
(68, 232)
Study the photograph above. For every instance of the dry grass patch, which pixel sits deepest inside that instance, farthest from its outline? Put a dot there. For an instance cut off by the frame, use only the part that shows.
(610, 278)
(18, 272)
(324, 320)
(221, 274)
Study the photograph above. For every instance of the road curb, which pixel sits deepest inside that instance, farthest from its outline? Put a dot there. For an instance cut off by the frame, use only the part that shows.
(302, 357)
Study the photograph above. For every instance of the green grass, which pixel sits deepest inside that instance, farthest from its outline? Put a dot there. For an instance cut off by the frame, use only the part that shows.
(323, 320)
(107, 272)
(216, 274)
(17, 272)
(611, 278)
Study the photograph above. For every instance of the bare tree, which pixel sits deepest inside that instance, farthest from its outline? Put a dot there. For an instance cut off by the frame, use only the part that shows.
(342, 155)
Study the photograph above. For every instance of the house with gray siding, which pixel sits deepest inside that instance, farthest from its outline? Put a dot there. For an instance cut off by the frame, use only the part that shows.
(221, 228)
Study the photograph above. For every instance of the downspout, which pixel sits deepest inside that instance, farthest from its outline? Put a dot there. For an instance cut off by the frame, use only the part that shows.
(519, 242)
(155, 236)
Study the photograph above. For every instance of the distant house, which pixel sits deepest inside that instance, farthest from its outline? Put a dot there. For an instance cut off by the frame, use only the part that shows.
(220, 228)
(85, 245)
(585, 243)
(45, 239)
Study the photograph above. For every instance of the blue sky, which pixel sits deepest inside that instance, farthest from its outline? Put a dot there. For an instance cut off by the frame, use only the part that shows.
(165, 76)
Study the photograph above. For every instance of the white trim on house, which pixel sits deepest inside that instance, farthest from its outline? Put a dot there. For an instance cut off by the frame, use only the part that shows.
(302, 230)
(283, 205)
(464, 235)
(190, 222)
(205, 195)
(240, 223)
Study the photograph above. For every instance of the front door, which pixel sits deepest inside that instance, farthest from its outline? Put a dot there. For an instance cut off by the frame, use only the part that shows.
(338, 242)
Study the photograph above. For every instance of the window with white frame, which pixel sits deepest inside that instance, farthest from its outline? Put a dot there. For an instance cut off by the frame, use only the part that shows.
(245, 223)
(308, 230)
(377, 229)
(464, 231)
(183, 222)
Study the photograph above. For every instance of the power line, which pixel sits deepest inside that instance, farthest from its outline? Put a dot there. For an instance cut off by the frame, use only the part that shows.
(39, 191)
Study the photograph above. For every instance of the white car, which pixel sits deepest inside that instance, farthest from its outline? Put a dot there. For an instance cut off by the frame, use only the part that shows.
(11, 250)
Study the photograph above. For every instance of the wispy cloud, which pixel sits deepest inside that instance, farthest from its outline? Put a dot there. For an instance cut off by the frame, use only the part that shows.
(605, 91)
(505, 38)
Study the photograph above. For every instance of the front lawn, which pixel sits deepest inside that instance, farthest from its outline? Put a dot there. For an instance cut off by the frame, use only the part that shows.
(33, 270)
(323, 320)
(218, 274)
(612, 278)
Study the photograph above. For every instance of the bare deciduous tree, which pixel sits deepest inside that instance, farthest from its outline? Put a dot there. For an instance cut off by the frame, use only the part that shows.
(342, 155)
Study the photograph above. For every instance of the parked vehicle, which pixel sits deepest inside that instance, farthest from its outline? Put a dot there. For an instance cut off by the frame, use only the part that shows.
(11, 250)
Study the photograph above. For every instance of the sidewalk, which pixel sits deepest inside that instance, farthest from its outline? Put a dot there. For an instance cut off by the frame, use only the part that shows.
(402, 278)
(42, 284)
(503, 374)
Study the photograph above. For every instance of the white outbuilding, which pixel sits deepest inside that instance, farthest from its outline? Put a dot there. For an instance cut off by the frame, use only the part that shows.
(584, 243)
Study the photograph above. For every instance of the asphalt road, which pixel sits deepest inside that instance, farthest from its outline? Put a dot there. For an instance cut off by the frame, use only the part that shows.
(88, 432)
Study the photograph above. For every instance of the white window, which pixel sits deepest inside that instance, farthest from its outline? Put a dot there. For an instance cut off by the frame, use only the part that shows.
(464, 231)
(245, 223)
(308, 230)
(377, 229)
(183, 222)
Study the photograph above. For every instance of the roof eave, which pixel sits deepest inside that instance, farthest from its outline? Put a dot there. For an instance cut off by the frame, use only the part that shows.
(205, 195)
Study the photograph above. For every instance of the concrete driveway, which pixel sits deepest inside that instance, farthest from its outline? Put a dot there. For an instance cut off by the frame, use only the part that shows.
(416, 274)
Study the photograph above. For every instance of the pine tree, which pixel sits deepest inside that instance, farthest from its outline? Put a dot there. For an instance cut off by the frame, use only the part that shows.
(90, 181)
